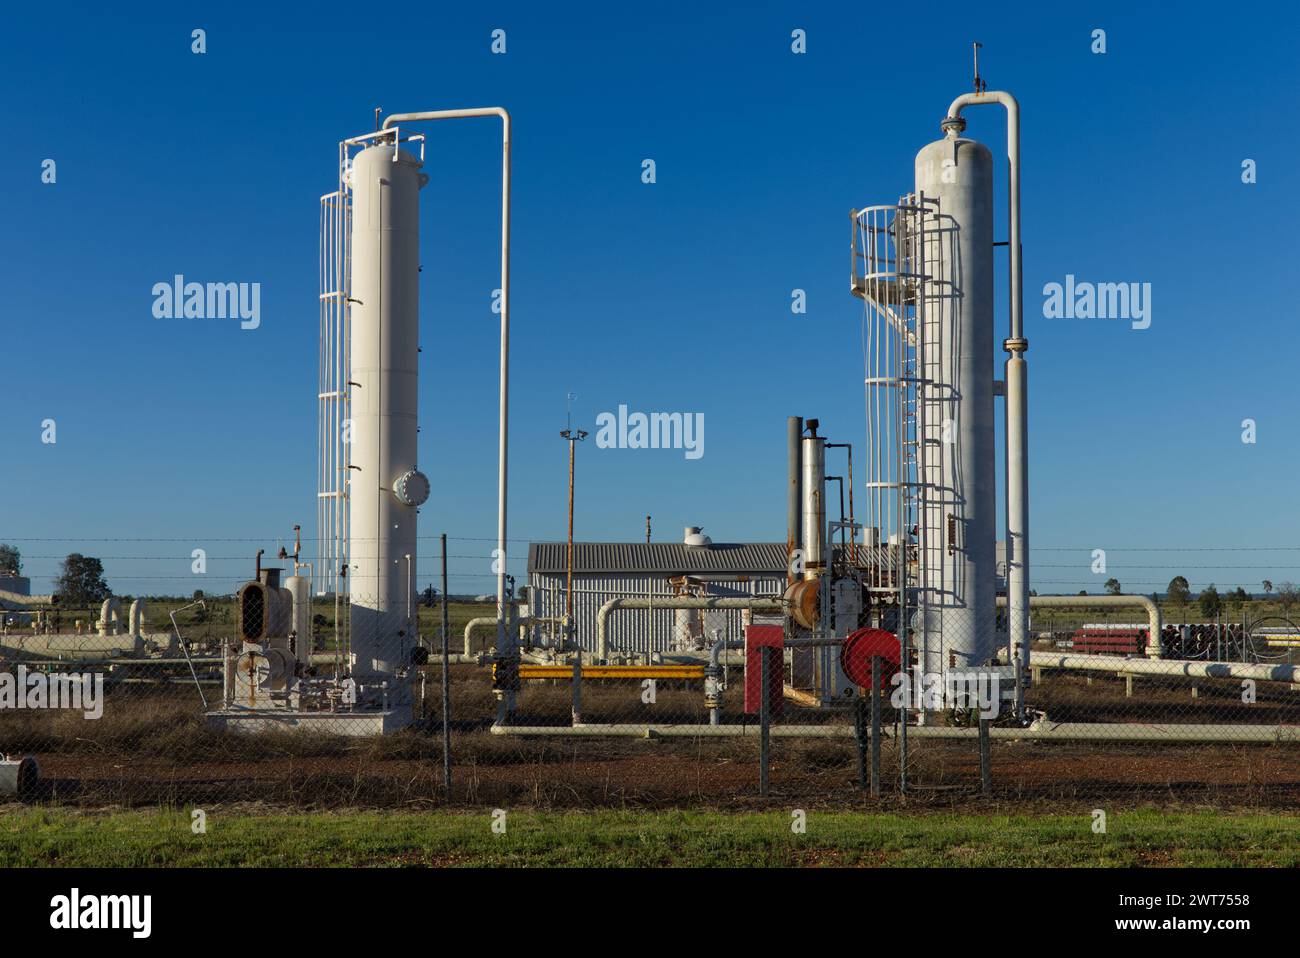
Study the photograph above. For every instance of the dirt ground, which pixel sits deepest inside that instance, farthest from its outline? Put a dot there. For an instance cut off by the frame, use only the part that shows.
(151, 747)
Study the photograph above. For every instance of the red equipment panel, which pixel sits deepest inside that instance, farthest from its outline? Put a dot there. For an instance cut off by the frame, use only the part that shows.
(764, 640)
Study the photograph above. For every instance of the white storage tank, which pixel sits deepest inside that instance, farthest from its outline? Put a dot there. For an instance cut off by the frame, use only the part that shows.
(384, 487)
(961, 499)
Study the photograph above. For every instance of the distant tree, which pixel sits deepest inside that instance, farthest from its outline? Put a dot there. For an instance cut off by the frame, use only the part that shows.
(1239, 598)
(429, 596)
(198, 595)
(1210, 601)
(11, 561)
(1113, 587)
(1083, 592)
(1033, 592)
(1288, 594)
(1268, 586)
(81, 582)
(1179, 592)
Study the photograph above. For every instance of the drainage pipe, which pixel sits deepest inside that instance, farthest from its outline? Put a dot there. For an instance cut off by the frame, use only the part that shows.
(1155, 643)
(755, 604)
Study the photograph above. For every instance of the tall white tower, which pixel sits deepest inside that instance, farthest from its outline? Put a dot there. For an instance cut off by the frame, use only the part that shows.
(385, 487)
(958, 509)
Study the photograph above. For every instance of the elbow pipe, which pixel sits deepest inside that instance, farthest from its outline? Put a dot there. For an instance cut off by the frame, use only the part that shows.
(1017, 400)
(505, 641)
(954, 123)
(1155, 643)
(757, 604)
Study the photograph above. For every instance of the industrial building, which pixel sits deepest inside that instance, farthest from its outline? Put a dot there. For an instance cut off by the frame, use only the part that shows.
(694, 567)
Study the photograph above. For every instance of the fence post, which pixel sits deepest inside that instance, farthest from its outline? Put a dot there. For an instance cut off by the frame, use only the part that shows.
(577, 687)
(446, 679)
(875, 726)
(986, 772)
(764, 721)
(860, 736)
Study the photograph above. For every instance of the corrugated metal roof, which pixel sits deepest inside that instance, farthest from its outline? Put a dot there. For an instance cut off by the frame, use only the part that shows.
(658, 557)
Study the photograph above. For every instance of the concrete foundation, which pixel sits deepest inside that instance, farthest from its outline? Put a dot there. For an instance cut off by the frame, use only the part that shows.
(352, 724)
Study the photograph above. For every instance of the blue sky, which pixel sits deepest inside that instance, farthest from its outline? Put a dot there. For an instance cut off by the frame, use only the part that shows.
(673, 296)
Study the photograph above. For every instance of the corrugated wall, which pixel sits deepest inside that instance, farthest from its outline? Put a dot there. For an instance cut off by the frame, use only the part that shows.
(639, 630)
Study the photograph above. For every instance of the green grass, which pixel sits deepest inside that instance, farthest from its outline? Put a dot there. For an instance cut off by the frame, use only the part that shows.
(639, 839)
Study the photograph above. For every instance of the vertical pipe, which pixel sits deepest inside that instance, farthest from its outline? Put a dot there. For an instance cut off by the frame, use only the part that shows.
(506, 644)
(794, 495)
(1017, 440)
(814, 504)
(446, 679)
(568, 589)
(502, 445)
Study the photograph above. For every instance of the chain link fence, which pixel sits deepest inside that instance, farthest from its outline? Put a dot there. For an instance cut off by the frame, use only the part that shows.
(661, 697)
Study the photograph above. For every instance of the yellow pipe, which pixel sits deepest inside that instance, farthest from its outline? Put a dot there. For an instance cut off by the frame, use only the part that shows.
(613, 672)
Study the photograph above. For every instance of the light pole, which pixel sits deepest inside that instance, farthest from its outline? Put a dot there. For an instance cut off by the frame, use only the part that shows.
(573, 436)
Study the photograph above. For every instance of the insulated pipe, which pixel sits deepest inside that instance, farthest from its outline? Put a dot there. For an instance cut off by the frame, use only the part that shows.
(1017, 400)
(1155, 644)
(505, 642)
(1170, 668)
(17, 598)
(756, 604)
(813, 491)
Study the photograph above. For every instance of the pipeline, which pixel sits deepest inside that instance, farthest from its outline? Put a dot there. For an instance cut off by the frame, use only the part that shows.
(1170, 668)
(1151, 734)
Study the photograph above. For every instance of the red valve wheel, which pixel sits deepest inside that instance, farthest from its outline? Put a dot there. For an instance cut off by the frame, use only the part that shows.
(864, 645)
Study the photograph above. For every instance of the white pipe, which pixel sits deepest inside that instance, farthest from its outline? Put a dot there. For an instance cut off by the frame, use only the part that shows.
(17, 598)
(954, 120)
(1170, 668)
(18, 777)
(505, 642)
(483, 622)
(1155, 644)
(135, 617)
(1150, 734)
(1017, 397)
(756, 603)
